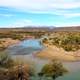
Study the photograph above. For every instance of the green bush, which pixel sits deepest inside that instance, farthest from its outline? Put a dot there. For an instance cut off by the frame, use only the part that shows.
(5, 60)
(68, 41)
(53, 70)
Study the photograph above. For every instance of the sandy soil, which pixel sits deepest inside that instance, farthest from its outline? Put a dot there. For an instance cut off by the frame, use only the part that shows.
(52, 52)
(5, 42)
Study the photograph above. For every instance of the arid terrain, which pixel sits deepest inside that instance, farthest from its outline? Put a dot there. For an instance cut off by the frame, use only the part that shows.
(48, 52)
(53, 52)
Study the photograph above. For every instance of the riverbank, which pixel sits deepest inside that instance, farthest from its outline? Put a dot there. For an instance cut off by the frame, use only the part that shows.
(5, 42)
(53, 52)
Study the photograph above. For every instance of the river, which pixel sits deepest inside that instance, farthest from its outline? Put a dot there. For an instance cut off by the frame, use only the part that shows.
(27, 49)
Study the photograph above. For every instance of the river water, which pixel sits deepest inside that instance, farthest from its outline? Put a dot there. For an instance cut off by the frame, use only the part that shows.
(27, 49)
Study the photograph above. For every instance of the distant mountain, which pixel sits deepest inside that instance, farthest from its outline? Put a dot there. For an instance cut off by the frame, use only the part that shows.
(71, 28)
(27, 29)
(41, 28)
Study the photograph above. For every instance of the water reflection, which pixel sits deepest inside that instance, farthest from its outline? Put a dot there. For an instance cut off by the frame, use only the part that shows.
(30, 47)
(25, 47)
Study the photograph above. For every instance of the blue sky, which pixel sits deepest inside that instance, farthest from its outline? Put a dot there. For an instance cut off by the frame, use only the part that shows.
(59, 13)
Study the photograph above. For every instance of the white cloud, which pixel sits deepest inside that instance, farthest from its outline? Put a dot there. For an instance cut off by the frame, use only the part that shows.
(41, 4)
(67, 14)
(57, 7)
(73, 24)
(6, 15)
(23, 23)
(71, 15)
(17, 23)
(20, 23)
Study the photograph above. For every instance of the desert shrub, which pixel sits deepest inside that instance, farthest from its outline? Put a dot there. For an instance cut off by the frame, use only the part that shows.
(53, 70)
(5, 60)
(68, 41)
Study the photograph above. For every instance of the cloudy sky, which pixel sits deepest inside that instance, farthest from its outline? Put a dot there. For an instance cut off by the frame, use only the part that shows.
(18, 13)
